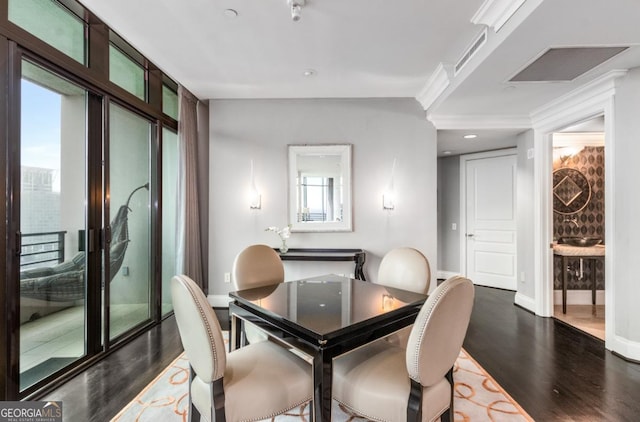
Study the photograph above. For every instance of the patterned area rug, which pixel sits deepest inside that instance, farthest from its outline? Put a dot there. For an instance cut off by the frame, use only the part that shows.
(477, 397)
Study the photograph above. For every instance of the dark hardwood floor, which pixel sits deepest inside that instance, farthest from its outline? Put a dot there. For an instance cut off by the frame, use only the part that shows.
(98, 394)
(555, 372)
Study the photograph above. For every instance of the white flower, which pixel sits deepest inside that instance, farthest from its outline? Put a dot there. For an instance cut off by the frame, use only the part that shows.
(284, 232)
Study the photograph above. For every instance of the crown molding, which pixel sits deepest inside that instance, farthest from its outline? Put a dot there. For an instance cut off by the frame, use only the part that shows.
(477, 122)
(594, 92)
(435, 86)
(496, 13)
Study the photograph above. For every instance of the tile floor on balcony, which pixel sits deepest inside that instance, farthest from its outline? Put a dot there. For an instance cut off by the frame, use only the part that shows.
(61, 334)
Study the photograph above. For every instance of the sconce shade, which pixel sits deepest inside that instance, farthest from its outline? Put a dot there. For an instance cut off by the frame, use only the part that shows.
(255, 200)
(388, 197)
(388, 201)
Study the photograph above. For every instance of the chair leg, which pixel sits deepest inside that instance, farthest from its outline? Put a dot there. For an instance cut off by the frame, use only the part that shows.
(448, 415)
(194, 415)
(217, 401)
(414, 404)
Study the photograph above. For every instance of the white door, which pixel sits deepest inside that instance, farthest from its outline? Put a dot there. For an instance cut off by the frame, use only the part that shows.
(491, 221)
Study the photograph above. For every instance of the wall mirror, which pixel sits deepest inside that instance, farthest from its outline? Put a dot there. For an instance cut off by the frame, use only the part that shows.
(320, 188)
(571, 191)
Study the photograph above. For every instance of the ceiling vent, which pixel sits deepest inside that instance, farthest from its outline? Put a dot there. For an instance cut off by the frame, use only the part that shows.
(565, 64)
(479, 42)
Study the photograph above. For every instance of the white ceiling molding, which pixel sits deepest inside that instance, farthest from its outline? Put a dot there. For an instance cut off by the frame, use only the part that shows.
(577, 100)
(435, 86)
(478, 122)
(496, 13)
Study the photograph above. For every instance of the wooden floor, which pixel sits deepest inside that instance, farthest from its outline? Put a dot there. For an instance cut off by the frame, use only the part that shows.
(588, 318)
(555, 372)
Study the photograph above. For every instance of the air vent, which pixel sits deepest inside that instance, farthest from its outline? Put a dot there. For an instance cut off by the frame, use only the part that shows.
(479, 42)
(565, 64)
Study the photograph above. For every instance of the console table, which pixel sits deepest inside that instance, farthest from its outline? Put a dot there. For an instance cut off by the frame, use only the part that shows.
(306, 254)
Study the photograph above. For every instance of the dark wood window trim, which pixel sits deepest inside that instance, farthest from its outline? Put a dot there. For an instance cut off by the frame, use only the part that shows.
(14, 42)
(96, 74)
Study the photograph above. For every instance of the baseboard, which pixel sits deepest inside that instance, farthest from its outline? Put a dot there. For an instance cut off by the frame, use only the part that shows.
(578, 297)
(627, 349)
(525, 302)
(446, 274)
(219, 301)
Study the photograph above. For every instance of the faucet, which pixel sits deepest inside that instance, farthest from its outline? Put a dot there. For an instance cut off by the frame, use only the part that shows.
(573, 220)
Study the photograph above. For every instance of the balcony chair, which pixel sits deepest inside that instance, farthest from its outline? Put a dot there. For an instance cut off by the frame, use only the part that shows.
(386, 382)
(407, 269)
(256, 266)
(45, 290)
(256, 382)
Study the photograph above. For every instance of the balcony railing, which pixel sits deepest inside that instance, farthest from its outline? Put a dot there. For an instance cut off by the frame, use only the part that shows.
(41, 248)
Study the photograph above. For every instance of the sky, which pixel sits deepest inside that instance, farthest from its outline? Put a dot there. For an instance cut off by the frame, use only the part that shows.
(40, 129)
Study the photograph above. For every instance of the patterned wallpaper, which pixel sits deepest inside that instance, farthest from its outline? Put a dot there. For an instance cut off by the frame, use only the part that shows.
(590, 220)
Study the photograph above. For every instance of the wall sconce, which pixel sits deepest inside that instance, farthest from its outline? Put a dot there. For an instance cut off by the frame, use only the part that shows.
(388, 197)
(296, 7)
(255, 200)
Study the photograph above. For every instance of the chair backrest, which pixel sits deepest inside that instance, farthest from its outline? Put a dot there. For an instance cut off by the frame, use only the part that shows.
(257, 266)
(405, 268)
(439, 330)
(199, 329)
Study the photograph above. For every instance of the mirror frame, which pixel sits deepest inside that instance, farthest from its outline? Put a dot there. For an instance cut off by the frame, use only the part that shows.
(344, 151)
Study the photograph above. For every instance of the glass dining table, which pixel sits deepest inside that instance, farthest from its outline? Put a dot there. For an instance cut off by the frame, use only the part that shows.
(324, 317)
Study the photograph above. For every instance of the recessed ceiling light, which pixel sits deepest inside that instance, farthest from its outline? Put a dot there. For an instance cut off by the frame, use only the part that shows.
(446, 152)
(309, 72)
(231, 13)
(470, 136)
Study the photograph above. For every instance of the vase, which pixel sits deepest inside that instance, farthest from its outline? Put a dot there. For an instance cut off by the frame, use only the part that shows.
(284, 248)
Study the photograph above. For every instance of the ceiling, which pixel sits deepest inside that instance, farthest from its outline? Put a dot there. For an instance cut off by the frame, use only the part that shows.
(381, 48)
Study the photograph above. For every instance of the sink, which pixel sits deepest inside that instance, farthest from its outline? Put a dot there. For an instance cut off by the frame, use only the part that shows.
(580, 241)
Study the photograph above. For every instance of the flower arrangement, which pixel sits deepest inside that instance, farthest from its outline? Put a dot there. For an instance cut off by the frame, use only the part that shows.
(284, 233)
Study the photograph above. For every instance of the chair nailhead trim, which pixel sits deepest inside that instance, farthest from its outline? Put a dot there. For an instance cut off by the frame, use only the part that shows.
(212, 342)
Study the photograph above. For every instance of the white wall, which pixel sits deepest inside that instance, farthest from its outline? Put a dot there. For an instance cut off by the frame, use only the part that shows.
(448, 214)
(626, 234)
(525, 206)
(379, 129)
(72, 170)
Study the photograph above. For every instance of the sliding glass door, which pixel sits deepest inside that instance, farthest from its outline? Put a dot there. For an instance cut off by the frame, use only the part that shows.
(93, 252)
(129, 251)
(53, 220)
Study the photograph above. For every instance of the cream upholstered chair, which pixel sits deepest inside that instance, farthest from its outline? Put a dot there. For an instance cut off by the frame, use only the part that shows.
(256, 266)
(385, 382)
(255, 382)
(407, 269)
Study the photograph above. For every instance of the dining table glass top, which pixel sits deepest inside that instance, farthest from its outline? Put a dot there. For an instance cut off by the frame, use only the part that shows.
(329, 304)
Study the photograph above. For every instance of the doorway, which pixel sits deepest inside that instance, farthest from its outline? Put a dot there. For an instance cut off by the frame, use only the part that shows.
(488, 217)
(579, 225)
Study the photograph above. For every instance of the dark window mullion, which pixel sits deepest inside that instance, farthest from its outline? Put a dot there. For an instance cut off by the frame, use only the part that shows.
(94, 222)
